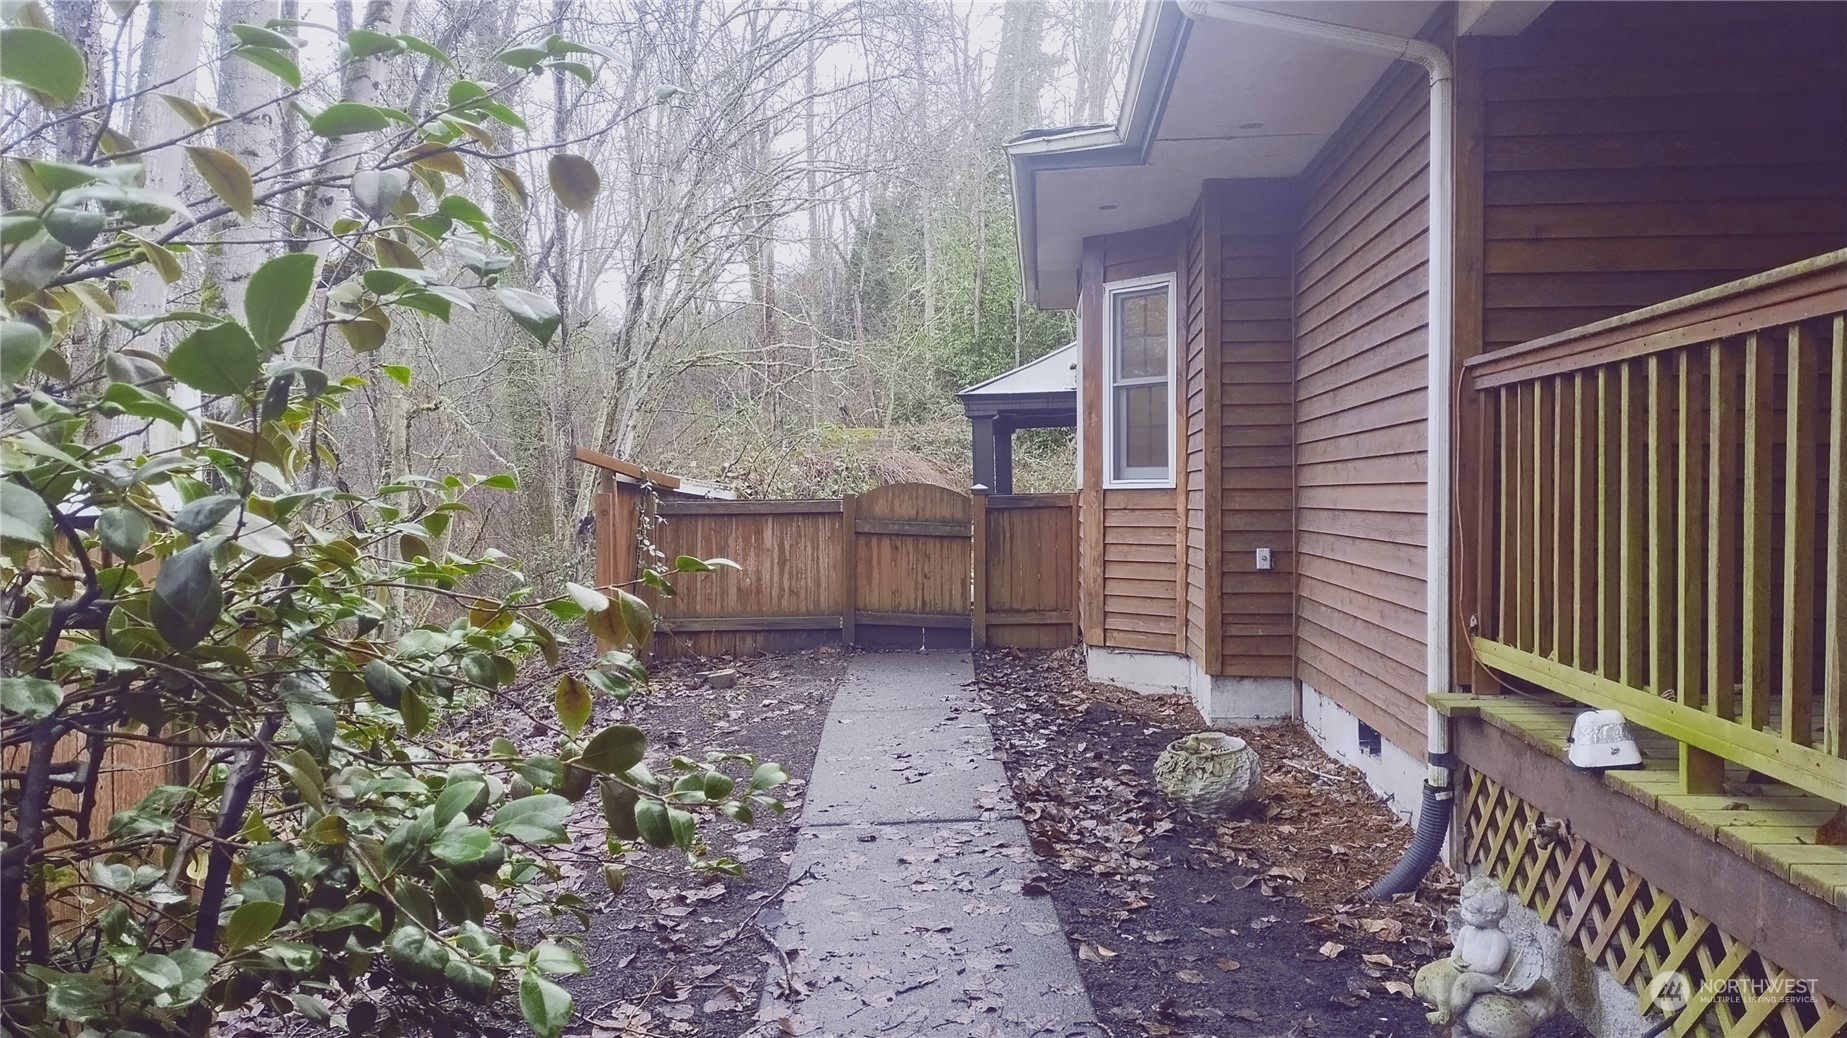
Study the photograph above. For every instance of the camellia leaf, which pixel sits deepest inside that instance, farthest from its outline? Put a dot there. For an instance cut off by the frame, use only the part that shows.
(275, 62)
(619, 809)
(651, 821)
(615, 749)
(592, 600)
(222, 359)
(257, 36)
(512, 184)
(545, 1005)
(534, 819)
(522, 57)
(347, 117)
(197, 116)
(573, 702)
(123, 531)
(42, 60)
(277, 292)
(415, 711)
(187, 598)
(530, 311)
(227, 178)
(574, 180)
(30, 698)
(21, 343)
(364, 43)
(376, 191)
(76, 228)
(462, 845)
(253, 921)
(205, 513)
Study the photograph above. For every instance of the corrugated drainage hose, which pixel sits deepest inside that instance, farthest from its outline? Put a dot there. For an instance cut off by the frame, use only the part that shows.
(1432, 826)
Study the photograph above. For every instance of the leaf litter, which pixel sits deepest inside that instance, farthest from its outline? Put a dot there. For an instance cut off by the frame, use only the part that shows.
(1185, 926)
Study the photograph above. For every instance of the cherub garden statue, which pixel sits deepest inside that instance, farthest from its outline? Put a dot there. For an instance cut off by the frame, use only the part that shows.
(1491, 985)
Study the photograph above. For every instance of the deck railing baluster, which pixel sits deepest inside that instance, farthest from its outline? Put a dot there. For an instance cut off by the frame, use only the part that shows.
(1799, 537)
(1672, 522)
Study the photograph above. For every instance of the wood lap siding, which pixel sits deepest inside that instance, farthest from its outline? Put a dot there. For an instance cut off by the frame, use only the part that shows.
(1636, 152)
(1194, 386)
(1359, 406)
(1138, 569)
(1256, 224)
(1135, 604)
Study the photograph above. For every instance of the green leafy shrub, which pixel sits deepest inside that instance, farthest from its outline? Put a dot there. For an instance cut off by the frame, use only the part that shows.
(204, 583)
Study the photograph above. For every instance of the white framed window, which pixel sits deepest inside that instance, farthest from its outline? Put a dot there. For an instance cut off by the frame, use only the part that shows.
(1138, 367)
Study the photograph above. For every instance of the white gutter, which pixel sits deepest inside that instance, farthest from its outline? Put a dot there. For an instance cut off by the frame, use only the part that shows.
(1442, 309)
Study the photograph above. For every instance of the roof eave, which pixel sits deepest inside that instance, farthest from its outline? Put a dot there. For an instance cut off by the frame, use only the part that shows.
(1158, 46)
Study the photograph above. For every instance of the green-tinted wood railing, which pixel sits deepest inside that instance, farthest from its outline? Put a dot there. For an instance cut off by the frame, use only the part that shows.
(1665, 522)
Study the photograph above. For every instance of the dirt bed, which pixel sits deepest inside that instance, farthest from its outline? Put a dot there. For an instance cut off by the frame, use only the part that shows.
(680, 951)
(1246, 927)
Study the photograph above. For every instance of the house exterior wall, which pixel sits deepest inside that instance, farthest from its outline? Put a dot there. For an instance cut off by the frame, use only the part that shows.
(1635, 152)
(1252, 224)
(1131, 572)
(1359, 402)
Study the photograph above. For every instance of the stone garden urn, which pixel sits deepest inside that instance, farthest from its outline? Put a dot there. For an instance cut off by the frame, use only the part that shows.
(1208, 773)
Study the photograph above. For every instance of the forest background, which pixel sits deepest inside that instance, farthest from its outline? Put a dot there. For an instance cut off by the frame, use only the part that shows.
(803, 245)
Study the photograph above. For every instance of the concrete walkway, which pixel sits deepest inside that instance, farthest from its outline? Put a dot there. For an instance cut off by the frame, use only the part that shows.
(911, 920)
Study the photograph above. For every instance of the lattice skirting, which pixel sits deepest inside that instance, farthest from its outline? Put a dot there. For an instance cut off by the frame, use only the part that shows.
(1635, 930)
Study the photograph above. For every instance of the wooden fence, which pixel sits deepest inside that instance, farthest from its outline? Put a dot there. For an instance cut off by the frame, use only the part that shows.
(1667, 508)
(894, 567)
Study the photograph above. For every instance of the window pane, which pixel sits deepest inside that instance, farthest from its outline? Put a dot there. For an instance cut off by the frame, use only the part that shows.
(1141, 431)
(1141, 334)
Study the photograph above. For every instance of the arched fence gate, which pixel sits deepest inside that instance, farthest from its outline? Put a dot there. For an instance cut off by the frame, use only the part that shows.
(910, 565)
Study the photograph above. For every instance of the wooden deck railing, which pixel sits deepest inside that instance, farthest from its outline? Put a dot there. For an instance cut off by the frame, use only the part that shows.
(1663, 522)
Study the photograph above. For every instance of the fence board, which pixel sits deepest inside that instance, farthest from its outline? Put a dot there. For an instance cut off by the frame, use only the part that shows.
(894, 566)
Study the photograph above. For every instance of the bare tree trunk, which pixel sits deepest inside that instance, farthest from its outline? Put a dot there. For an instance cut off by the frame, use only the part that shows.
(170, 48)
(253, 140)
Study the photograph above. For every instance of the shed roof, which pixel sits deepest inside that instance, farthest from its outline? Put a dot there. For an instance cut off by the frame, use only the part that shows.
(1056, 372)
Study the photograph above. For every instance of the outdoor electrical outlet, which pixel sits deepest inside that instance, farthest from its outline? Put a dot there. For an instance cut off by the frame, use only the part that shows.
(1263, 558)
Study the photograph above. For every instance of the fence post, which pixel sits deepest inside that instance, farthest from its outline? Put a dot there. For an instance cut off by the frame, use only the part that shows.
(978, 548)
(849, 566)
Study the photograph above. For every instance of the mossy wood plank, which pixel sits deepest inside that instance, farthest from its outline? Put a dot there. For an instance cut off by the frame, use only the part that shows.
(1583, 529)
(1661, 526)
(1544, 516)
(1724, 586)
(1759, 576)
(1801, 766)
(1700, 770)
(1834, 635)
(1634, 666)
(1609, 524)
(1798, 534)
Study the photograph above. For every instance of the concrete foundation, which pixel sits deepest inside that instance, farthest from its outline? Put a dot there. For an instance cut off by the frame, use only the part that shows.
(1221, 699)
(1395, 772)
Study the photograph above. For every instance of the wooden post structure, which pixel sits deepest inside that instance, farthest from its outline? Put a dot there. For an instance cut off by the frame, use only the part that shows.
(849, 567)
(978, 545)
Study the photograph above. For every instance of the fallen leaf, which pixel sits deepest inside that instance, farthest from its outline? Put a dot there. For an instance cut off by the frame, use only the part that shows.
(1331, 949)
(1189, 977)
(1091, 951)
(1379, 959)
(1228, 964)
(1399, 987)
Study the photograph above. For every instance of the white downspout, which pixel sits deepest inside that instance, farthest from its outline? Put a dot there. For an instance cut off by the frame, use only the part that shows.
(1441, 300)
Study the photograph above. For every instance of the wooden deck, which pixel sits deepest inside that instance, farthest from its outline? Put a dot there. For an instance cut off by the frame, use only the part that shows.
(1770, 824)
